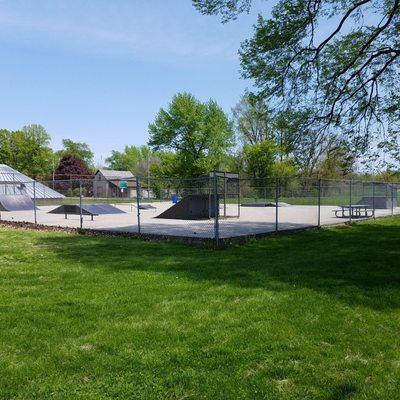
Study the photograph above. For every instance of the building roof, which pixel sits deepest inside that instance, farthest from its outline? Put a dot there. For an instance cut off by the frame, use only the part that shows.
(14, 182)
(110, 174)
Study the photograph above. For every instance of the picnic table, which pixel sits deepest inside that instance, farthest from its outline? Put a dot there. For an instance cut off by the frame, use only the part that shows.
(354, 211)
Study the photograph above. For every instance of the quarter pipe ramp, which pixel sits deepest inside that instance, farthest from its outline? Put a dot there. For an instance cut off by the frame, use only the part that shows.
(191, 207)
(16, 203)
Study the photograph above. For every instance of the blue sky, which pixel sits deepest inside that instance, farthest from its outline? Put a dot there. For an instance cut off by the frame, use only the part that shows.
(98, 70)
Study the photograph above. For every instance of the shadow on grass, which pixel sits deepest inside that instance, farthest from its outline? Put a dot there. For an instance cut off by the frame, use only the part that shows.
(358, 265)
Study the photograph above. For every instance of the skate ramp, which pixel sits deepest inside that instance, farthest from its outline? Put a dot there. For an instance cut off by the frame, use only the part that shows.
(379, 202)
(191, 207)
(87, 209)
(16, 203)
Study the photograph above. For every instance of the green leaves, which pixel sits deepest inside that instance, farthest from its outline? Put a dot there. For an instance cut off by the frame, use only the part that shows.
(200, 134)
(227, 9)
(260, 158)
(78, 149)
(339, 58)
(252, 119)
(132, 158)
(27, 150)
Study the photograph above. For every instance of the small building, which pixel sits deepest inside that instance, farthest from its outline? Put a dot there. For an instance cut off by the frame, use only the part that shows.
(109, 183)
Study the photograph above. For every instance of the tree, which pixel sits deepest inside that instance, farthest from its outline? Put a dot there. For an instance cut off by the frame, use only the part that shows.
(72, 167)
(252, 119)
(79, 149)
(260, 159)
(33, 151)
(348, 76)
(27, 150)
(290, 130)
(164, 167)
(299, 146)
(199, 133)
(301, 142)
(132, 158)
(5, 147)
(228, 9)
(337, 163)
(73, 177)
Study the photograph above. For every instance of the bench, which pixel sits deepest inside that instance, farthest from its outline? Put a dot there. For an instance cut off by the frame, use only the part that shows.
(354, 211)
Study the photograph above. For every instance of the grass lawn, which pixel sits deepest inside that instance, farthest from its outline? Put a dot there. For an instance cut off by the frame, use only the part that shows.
(302, 201)
(314, 315)
(310, 200)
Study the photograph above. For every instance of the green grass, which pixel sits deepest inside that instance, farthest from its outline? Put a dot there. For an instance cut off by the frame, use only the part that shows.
(314, 315)
(301, 200)
(85, 200)
(293, 200)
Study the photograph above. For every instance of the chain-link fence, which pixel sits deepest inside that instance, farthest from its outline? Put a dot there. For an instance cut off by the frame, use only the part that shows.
(214, 207)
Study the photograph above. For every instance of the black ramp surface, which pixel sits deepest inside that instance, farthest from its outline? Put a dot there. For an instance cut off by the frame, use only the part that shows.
(101, 209)
(192, 207)
(72, 209)
(16, 203)
(87, 209)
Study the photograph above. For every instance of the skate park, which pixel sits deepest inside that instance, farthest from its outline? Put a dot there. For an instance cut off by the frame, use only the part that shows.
(243, 210)
(251, 222)
(188, 208)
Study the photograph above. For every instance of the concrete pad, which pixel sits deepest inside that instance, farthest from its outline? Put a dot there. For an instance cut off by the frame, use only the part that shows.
(252, 221)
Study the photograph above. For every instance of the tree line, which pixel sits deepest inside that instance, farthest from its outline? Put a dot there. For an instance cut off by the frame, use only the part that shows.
(190, 138)
(28, 151)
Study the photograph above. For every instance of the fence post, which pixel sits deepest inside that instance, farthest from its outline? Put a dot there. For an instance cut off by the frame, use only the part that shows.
(80, 205)
(239, 196)
(391, 186)
(373, 199)
(225, 194)
(210, 192)
(350, 199)
(276, 204)
(216, 210)
(138, 204)
(34, 202)
(319, 203)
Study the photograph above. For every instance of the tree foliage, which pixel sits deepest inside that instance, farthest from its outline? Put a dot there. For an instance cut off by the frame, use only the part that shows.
(138, 160)
(79, 149)
(72, 167)
(164, 166)
(27, 150)
(6, 154)
(299, 146)
(338, 162)
(227, 9)
(252, 119)
(200, 134)
(260, 159)
(348, 77)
